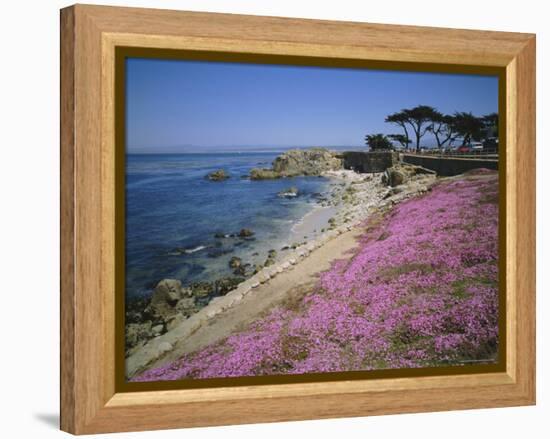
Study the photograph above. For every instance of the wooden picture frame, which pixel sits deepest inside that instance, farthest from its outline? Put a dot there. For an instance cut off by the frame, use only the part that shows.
(90, 399)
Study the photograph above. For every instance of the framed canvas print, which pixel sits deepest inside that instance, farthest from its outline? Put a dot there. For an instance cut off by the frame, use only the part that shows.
(271, 219)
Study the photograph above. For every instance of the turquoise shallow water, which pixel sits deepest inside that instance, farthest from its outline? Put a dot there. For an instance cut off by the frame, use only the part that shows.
(173, 214)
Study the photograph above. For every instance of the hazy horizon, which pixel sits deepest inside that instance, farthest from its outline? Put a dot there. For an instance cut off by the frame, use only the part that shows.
(207, 149)
(178, 106)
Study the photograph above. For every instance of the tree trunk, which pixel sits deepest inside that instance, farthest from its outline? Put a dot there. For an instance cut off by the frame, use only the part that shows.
(437, 140)
(406, 136)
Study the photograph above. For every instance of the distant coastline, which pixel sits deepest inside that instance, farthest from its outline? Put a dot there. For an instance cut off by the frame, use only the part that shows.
(238, 149)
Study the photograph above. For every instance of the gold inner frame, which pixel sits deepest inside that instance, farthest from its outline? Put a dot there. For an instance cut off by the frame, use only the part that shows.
(117, 47)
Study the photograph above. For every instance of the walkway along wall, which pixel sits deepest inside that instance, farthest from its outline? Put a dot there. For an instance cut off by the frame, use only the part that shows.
(449, 166)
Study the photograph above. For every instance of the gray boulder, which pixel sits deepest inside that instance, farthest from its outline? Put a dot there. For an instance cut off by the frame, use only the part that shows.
(403, 173)
(235, 262)
(186, 306)
(166, 295)
(175, 321)
(157, 330)
(137, 332)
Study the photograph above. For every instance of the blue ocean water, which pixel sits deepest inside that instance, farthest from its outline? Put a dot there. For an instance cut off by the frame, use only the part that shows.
(173, 214)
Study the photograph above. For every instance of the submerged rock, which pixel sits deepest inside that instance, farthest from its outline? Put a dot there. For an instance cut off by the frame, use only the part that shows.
(218, 175)
(245, 233)
(226, 284)
(217, 252)
(245, 270)
(235, 262)
(201, 289)
(291, 192)
(271, 258)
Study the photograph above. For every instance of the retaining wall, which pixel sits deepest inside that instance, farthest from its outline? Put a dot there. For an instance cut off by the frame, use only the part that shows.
(449, 166)
(368, 162)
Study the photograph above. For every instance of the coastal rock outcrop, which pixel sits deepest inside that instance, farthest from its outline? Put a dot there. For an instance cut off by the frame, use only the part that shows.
(295, 162)
(313, 161)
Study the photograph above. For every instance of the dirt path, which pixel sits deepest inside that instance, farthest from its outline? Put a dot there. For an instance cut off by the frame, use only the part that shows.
(286, 286)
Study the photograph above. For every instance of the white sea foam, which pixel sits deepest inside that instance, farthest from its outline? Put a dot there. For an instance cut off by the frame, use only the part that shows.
(196, 249)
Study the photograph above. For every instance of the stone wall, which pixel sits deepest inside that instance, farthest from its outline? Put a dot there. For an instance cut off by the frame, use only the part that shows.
(449, 166)
(368, 162)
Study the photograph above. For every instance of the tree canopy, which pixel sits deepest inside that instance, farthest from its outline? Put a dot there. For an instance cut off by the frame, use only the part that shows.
(404, 141)
(400, 119)
(378, 142)
(445, 128)
(490, 121)
(418, 119)
(469, 127)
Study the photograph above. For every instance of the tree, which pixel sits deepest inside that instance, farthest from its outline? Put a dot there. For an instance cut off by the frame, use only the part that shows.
(490, 121)
(378, 142)
(400, 119)
(443, 128)
(418, 118)
(469, 127)
(404, 141)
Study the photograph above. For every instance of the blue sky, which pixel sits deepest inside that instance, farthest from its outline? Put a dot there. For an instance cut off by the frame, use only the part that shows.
(190, 106)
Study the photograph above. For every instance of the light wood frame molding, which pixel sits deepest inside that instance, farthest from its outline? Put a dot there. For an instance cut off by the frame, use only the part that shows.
(89, 35)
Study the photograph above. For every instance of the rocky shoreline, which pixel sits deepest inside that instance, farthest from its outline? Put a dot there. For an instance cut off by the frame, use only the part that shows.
(175, 311)
(394, 279)
(295, 162)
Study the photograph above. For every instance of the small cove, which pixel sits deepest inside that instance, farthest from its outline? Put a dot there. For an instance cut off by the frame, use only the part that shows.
(183, 226)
